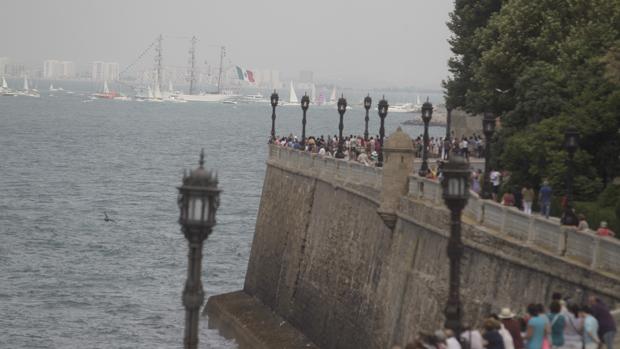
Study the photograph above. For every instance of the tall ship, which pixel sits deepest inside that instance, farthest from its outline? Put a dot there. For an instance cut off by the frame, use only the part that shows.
(204, 96)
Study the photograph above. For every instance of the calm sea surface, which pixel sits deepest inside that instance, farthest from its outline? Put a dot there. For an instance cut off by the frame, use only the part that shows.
(70, 280)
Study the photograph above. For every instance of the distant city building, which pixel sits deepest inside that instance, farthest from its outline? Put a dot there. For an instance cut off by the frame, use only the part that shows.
(54, 69)
(265, 78)
(15, 70)
(105, 71)
(4, 62)
(306, 76)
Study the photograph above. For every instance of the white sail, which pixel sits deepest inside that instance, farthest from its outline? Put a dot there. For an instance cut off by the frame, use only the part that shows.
(26, 83)
(105, 87)
(149, 94)
(332, 98)
(417, 100)
(52, 87)
(313, 94)
(156, 92)
(292, 96)
(4, 84)
(170, 88)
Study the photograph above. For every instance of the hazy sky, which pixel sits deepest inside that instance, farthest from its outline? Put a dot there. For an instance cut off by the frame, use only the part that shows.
(387, 43)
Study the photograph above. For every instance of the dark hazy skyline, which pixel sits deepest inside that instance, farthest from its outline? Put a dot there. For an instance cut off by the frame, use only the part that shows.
(387, 43)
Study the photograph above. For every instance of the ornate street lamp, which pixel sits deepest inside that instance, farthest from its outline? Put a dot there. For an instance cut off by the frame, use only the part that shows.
(383, 110)
(198, 201)
(448, 120)
(274, 104)
(367, 104)
(571, 143)
(305, 103)
(488, 127)
(427, 114)
(455, 194)
(342, 108)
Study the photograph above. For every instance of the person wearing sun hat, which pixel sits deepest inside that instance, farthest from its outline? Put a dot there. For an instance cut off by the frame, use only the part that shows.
(507, 317)
(603, 230)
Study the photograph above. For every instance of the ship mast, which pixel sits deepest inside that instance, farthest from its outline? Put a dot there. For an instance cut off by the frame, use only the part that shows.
(158, 60)
(192, 65)
(219, 78)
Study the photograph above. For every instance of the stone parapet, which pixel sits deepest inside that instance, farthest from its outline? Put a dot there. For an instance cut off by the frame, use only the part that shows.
(325, 261)
(536, 232)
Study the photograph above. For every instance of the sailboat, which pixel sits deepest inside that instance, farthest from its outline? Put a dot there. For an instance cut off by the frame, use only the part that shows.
(313, 94)
(5, 90)
(207, 96)
(157, 91)
(292, 97)
(106, 93)
(26, 91)
(332, 98)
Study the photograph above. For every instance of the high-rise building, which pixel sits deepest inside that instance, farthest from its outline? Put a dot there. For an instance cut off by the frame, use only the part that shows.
(4, 62)
(105, 71)
(54, 69)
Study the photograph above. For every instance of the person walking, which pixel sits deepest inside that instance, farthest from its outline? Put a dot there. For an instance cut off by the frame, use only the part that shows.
(528, 197)
(544, 198)
(496, 179)
(606, 324)
(573, 328)
(492, 338)
(557, 324)
(590, 328)
(507, 317)
(537, 328)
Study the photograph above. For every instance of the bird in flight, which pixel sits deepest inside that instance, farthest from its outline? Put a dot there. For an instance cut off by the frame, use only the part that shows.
(107, 219)
(502, 91)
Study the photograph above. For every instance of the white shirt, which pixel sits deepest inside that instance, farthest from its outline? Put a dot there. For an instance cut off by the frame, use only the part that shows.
(507, 338)
(452, 343)
(474, 338)
(494, 177)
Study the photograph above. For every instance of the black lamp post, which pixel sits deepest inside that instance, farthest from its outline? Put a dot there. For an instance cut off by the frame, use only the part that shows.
(455, 194)
(367, 104)
(274, 103)
(305, 103)
(488, 127)
(198, 201)
(448, 120)
(342, 107)
(571, 143)
(383, 110)
(427, 114)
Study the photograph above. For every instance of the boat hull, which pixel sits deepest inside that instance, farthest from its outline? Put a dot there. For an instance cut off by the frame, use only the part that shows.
(207, 97)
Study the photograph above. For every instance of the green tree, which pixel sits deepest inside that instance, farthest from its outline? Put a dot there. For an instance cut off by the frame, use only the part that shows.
(541, 66)
(467, 17)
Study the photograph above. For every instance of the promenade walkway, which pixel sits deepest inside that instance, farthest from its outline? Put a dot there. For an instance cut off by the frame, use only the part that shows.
(531, 231)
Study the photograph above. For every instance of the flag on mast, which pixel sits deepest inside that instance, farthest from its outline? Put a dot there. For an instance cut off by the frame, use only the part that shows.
(245, 75)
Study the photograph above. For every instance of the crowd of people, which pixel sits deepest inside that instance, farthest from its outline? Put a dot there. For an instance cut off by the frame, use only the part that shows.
(357, 148)
(366, 152)
(563, 325)
(523, 197)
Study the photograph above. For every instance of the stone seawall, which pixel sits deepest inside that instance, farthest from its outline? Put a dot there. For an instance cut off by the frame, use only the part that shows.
(324, 260)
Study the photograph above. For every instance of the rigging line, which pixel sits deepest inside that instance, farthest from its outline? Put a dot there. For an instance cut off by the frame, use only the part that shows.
(139, 57)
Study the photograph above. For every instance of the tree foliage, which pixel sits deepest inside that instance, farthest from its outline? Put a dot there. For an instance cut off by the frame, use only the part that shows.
(542, 66)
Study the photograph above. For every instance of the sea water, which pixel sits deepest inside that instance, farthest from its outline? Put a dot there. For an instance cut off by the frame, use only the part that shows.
(68, 279)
